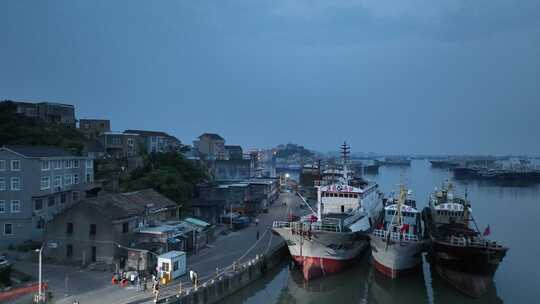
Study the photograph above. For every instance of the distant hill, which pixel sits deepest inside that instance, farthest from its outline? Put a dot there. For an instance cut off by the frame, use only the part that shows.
(288, 150)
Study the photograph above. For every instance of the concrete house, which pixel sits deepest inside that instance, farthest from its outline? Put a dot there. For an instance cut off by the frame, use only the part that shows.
(92, 128)
(35, 184)
(210, 146)
(98, 229)
(49, 112)
(156, 141)
(120, 145)
(234, 152)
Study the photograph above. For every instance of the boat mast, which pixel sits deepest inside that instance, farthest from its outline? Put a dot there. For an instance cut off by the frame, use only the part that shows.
(345, 151)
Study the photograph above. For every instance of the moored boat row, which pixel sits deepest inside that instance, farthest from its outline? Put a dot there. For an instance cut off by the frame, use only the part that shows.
(351, 217)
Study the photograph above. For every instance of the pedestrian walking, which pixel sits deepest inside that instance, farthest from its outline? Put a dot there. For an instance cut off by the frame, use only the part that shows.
(257, 235)
(139, 287)
(256, 222)
(144, 284)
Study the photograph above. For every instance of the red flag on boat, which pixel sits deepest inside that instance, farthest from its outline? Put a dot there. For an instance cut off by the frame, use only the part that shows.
(404, 228)
(487, 231)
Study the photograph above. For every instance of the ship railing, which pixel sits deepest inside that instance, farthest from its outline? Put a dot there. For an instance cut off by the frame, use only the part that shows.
(308, 226)
(474, 241)
(396, 236)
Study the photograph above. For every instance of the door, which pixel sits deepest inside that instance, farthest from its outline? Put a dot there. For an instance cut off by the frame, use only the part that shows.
(94, 253)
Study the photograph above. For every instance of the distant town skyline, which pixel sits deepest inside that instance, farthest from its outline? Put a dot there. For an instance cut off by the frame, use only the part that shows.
(422, 77)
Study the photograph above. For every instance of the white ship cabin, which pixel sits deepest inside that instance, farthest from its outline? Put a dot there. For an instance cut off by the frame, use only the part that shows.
(448, 213)
(410, 218)
(340, 198)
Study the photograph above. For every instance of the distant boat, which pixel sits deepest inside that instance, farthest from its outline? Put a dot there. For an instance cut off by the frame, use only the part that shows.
(438, 163)
(395, 161)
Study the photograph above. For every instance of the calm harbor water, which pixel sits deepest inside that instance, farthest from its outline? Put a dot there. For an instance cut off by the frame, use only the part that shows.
(511, 212)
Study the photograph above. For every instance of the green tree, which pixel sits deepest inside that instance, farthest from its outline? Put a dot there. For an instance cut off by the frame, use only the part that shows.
(17, 129)
(169, 174)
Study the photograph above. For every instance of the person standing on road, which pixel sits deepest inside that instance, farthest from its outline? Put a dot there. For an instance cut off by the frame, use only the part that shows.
(257, 234)
(139, 287)
(256, 222)
(156, 292)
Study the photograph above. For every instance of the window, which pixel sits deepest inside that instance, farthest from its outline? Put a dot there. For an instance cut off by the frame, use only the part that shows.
(75, 196)
(38, 204)
(89, 164)
(67, 179)
(75, 179)
(69, 250)
(69, 228)
(88, 178)
(2, 206)
(175, 266)
(62, 198)
(45, 182)
(125, 227)
(2, 184)
(15, 206)
(15, 184)
(93, 229)
(75, 163)
(58, 164)
(130, 141)
(15, 165)
(57, 182)
(8, 229)
(51, 201)
(67, 164)
(165, 266)
(2, 165)
(45, 165)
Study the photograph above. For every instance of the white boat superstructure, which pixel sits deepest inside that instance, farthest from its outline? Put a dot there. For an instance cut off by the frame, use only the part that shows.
(323, 242)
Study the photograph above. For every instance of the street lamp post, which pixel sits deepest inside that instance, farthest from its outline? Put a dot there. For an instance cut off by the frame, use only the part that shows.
(40, 295)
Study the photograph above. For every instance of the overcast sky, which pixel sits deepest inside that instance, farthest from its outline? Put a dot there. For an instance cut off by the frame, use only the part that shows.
(421, 76)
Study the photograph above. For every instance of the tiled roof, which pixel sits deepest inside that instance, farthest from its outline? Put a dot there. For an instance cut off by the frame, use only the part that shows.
(124, 205)
(37, 151)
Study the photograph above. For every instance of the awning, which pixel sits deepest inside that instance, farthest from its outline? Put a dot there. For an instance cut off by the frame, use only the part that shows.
(197, 222)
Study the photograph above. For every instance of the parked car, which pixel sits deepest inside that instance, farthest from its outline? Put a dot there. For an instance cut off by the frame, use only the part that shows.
(241, 222)
(4, 261)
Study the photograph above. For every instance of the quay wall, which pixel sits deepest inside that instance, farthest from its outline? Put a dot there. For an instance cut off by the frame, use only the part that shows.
(218, 289)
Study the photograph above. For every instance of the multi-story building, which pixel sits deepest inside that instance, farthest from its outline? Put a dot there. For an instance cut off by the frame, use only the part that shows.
(92, 128)
(35, 184)
(210, 146)
(49, 112)
(120, 145)
(157, 141)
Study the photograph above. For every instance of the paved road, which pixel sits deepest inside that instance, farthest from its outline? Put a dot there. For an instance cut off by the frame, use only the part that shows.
(94, 287)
